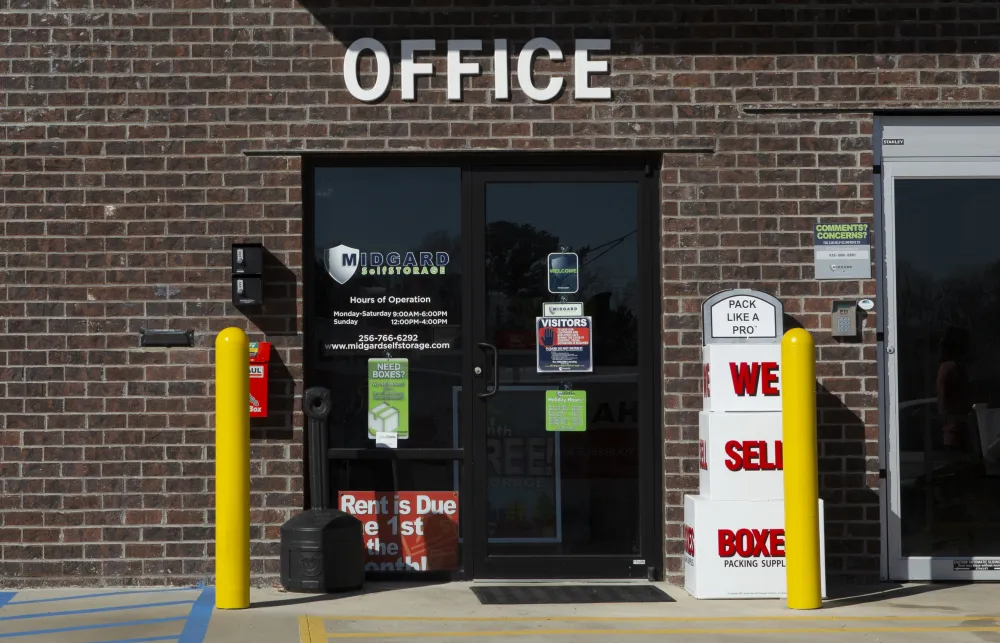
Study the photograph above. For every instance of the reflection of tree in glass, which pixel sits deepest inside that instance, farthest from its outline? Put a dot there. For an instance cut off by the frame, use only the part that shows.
(927, 305)
(516, 265)
(545, 510)
(515, 512)
(516, 258)
(615, 331)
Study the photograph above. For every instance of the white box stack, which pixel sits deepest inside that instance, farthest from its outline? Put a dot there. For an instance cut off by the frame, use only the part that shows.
(734, 527)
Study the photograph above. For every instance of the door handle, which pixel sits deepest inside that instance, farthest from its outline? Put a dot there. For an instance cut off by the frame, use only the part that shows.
(495, 385)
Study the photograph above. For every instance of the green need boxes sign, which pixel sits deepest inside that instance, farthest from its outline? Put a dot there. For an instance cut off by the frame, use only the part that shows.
(389, 397)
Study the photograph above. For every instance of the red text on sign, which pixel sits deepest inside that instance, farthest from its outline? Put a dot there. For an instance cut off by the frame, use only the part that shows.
(752, 543)
(703, 454)
(689, 540)
(749, 377)
(753, 455)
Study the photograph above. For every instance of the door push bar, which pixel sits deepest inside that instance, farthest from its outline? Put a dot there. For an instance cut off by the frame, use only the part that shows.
(493, 387)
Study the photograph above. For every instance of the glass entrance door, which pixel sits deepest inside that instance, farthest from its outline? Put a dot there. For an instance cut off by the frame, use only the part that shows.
(943, 365)
(423, 288)
(562, 421)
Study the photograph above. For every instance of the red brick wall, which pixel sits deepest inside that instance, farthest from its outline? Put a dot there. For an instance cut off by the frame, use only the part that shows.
(123, 184)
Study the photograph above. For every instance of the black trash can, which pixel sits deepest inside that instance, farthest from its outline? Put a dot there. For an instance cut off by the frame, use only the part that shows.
(322, 550)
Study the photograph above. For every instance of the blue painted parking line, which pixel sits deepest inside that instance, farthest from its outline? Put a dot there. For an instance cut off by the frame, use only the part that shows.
(121, 593)
(57, 630)
(113, 608)
(195, 622)
(201, 613)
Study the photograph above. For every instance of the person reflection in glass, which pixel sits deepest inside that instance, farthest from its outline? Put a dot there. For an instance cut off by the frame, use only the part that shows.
(954, 398)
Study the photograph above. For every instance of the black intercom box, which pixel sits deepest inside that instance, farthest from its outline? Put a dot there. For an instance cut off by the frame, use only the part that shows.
(248, 291)
(248, 274)
(248, 259)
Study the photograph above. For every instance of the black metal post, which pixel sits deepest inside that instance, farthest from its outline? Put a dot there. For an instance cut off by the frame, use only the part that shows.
(316, 404)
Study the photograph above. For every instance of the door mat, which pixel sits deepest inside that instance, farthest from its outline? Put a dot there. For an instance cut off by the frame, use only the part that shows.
(569, 594)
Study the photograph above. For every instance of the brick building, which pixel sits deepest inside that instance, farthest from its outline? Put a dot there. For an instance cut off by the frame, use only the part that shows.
(141, 139)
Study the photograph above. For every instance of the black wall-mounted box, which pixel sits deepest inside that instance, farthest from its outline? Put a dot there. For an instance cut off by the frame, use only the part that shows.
(248, 259)
(248, 291)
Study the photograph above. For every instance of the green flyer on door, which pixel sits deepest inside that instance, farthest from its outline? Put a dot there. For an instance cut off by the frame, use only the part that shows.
(565, 410)
(389, 397)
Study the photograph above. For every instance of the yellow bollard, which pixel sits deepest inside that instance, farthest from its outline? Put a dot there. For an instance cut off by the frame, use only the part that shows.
(801, 469)
(232, 470)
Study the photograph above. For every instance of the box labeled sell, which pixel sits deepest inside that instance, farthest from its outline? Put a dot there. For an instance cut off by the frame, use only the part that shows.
(741, 456)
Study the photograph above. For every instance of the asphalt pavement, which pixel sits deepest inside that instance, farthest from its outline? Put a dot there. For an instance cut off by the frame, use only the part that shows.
(916, 613)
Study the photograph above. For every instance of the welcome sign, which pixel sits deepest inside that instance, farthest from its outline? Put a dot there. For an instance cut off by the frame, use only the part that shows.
(412, 65)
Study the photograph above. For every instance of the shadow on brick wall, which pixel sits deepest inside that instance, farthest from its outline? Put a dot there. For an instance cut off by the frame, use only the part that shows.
(693, 27)
(852, 508)
(279, 423)
(277, 318)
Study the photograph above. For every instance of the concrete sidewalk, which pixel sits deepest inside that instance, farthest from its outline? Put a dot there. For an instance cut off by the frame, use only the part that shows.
(451, 612)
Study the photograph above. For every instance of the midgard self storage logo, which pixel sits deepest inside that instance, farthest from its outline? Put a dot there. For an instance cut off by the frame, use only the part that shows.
(752, 547)
(343, 261)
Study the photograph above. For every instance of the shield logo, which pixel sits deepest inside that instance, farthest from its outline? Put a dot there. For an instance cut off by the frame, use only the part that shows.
(341, 262)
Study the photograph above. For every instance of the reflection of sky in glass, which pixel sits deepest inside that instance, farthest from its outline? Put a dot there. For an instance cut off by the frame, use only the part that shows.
(360, 207)
(579, 214)
(946, 241)
(946, 226)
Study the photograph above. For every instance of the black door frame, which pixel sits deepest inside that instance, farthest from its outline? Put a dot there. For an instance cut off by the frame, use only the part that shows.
(538, 167)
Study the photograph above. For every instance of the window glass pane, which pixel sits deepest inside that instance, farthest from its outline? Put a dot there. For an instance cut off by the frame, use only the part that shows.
(571, 492)
(388, 266)
(948, 346)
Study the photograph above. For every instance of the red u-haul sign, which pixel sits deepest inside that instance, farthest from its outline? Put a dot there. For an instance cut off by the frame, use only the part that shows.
(742, 377)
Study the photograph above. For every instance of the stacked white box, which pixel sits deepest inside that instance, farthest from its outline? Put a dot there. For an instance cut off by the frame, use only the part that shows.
(735, 548)
(734, 527)
(742, 377)
(742, 457)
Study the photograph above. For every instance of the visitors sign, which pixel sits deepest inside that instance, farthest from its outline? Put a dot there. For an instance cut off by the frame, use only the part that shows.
(563, 344)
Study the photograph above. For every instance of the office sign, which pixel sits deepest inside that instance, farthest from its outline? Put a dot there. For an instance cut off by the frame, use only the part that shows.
(414, 62)
(842, 251)
(563, 344)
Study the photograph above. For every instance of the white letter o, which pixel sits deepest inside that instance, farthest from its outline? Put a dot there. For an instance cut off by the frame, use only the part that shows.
(383, 70)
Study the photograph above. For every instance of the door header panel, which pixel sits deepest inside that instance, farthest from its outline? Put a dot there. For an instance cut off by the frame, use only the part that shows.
(927, 136)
